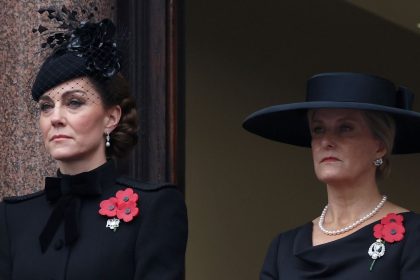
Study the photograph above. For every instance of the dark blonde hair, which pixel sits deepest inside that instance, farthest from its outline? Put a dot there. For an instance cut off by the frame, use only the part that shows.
(115, 91)
(383, 128)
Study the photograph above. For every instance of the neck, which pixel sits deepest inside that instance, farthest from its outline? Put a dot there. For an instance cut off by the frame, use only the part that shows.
(76, 167)
(348, 202)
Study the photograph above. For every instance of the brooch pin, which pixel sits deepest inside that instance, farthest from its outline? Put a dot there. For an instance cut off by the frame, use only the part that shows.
(121, 207)
(390, 230)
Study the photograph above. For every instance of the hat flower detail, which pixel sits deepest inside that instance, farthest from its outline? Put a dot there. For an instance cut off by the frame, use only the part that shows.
(94, 41)
(389, 230)
(121, 207)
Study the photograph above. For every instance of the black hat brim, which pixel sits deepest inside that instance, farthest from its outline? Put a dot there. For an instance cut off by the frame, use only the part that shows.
(288, 123)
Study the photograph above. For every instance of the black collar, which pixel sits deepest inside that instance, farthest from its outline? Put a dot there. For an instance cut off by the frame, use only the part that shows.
(65, 192)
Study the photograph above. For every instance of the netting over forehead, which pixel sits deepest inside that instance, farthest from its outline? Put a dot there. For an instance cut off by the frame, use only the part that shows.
(80, 89)
(80, 49)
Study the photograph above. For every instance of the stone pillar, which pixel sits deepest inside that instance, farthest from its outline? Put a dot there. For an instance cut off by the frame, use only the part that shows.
(23, 160)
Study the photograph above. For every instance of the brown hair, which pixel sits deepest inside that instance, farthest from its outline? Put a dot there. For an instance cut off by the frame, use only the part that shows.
(115, 91)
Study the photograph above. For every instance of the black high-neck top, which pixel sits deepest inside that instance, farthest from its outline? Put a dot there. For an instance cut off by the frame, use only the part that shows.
(291, 255)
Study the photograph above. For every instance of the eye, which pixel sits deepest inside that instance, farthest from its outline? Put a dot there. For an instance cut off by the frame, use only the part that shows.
(316, 130)
(74, 103)
(346, 128)
(45, 106)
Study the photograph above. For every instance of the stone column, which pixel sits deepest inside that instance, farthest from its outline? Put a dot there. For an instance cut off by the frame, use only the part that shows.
(23, 160)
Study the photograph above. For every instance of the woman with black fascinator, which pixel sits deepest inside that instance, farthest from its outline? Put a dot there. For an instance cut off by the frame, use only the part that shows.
(88, 222)
(353, 123)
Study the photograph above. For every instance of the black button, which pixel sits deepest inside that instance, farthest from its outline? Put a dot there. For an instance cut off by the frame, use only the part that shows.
(58, 245)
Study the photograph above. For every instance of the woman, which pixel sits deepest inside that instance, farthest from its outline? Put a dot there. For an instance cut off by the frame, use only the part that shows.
(88, 222)
(353, 123)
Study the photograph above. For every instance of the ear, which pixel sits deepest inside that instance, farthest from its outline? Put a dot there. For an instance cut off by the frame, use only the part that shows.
(381, 150)
(112, 118)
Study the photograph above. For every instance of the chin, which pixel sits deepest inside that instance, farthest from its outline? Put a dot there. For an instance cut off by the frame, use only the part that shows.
(73, 154)
(331, 182)
(331, 178)
(63, 154)
(63, 157)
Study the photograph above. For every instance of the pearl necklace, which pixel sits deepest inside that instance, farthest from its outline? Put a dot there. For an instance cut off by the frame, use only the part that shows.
(353, 225)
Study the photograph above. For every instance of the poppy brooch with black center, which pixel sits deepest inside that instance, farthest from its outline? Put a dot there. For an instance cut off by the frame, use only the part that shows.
(389, 230)
(121, 207)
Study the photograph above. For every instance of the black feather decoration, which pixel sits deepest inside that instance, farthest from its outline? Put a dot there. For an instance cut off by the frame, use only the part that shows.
(84, 37)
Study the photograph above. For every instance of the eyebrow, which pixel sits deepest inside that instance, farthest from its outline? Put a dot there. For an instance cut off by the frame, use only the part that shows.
(46, 97)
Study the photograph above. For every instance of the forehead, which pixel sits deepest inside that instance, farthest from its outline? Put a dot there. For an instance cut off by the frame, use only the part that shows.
(336, 115)
(81, 85)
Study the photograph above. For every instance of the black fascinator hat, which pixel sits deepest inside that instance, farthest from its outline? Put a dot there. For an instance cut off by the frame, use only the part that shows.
(288, 123)
(79, 48)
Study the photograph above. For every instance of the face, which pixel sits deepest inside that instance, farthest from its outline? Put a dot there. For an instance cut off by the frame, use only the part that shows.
(343, 146)
(73, 121)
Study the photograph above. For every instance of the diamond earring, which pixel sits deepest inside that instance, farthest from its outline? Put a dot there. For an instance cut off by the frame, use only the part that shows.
(378, 162)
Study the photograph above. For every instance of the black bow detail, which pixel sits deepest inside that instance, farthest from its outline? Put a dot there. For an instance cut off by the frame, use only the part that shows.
(65, 192)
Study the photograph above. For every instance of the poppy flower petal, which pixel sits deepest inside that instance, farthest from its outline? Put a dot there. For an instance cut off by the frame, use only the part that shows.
(127, 195)
(108, 207)
(123, 205)
(377, 231)
(392, 218)
(393, 232)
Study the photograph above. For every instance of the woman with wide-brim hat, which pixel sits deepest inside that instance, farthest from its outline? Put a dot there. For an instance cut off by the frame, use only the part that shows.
(353, 123)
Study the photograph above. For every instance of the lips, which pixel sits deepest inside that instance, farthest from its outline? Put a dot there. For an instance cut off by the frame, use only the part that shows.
(59, 137)
(329, 159)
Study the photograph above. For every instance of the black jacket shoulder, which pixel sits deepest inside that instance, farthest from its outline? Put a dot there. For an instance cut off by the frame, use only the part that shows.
(21, 198)
(143, 186)
(124, 181)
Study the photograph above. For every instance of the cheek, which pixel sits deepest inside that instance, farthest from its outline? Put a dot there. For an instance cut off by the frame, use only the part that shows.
(315, 148)
(44, 126)
(365, 161)
(88, 124)
(364, 152)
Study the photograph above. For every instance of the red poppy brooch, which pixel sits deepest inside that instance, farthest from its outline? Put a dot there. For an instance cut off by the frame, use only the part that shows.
(389, 230)
(121, 207)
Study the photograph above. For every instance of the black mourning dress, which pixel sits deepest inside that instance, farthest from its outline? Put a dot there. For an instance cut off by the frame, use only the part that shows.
(150, 247)
(291, 255)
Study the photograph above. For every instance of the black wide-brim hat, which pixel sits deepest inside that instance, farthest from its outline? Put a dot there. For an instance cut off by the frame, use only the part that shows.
(288, 123)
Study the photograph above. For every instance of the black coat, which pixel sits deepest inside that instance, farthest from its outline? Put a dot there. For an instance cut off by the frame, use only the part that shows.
(150, 247)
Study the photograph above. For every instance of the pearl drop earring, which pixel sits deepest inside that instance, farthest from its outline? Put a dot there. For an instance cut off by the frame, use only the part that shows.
(108, 140)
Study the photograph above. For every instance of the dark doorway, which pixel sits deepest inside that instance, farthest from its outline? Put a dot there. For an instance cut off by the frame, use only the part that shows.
(155, 51)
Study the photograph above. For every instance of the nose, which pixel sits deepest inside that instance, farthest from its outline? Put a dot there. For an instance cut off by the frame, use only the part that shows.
(328, 140)
(57, 117)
